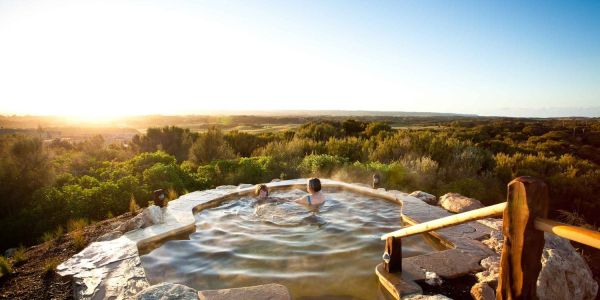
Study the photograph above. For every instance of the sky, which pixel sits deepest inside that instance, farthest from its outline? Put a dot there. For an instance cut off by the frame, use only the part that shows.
(98, 59)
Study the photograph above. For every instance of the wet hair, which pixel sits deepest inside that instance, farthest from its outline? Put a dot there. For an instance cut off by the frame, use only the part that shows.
(261, 187)
(314, 184)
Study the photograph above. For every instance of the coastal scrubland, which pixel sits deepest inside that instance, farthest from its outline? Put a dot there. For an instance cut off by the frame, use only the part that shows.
(48, 184)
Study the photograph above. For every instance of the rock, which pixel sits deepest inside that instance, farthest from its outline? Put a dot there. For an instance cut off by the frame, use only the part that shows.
(495, 241)
(276, 180)
(167, 291)
(109, 236)
(10, 252)
(244, 186)
(152, 215)
(106, 270)
(433, 279)
(148, 217)
(270, 291)
(426, 297)
(451, 263)
(490, 274)
(565, 274)
(427, 198)
(132, 224)
(482, 291)
(226, 187)
(458, 203)
(493, 223)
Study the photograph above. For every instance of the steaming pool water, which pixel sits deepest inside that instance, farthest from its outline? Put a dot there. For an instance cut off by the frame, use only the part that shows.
(328, 254)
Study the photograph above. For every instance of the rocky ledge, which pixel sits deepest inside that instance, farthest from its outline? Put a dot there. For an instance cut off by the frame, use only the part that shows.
(565, 274)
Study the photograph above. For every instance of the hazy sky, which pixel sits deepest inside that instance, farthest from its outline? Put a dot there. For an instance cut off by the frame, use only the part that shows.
(104, 58)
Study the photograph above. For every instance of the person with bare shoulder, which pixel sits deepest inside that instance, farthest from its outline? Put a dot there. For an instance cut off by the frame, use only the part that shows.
(315, 197)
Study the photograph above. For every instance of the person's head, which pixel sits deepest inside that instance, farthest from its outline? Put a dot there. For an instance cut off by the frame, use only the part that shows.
(313, 185)
(261, 191)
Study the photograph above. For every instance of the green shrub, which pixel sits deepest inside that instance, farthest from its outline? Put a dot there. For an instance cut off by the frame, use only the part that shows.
(47, 236)
(351, 148)
(79, 241)
(322, 165)
(242, 170)
(133, 206)
(374, 128)
(319, 131)
(50, 265)
(53, 235)
(209, 146)
(172, 194)
(5, 266)
(20, 255)
(77, 224)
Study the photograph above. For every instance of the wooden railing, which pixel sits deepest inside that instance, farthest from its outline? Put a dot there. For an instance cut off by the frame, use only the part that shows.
(524, 216)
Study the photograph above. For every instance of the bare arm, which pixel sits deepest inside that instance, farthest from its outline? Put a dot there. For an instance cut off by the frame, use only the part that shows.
(277, 199)
(302, 200)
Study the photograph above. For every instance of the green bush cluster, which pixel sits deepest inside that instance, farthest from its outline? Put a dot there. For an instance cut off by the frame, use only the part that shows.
(47, 184)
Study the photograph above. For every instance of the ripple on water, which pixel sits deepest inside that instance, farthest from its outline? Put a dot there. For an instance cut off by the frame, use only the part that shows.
(326, 254)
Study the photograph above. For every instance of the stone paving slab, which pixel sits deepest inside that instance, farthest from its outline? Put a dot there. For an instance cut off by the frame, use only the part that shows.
(463, 240)
(270, 291)
(451, 263)
(398, 284)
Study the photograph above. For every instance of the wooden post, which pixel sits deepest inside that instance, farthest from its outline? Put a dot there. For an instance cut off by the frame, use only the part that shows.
(376, 181)
(392, 258)
(520, 263)
(159, 197)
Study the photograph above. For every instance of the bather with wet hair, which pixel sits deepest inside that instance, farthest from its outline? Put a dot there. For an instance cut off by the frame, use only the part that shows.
(315, 197)
(261, 191)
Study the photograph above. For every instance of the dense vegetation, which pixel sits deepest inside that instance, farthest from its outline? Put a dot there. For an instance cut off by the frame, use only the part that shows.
(46, 184)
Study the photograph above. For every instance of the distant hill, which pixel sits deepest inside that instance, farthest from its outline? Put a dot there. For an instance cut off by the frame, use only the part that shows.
(348, 113)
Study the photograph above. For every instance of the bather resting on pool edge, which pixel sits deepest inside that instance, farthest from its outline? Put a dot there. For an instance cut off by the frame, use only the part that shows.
(316, 198)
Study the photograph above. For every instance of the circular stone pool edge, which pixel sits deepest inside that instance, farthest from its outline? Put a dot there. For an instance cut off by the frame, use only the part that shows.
(112, 269)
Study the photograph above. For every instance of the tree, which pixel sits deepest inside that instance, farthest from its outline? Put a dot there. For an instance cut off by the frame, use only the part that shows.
(210, 146)
(173, 140)
(375, 128)
(319, 131)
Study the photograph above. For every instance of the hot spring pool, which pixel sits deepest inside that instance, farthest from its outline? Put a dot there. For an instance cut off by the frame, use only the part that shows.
(329, 254)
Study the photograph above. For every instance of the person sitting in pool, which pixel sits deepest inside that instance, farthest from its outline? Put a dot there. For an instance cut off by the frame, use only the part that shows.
(261, 191)
(315, 198)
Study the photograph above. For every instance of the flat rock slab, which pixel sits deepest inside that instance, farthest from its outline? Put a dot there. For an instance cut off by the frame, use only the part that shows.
(270, 291)
(451, 263)
(167, 291)
(397, 284)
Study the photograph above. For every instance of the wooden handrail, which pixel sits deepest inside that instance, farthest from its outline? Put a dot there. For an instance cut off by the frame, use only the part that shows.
(574, 233)
(448, 221)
